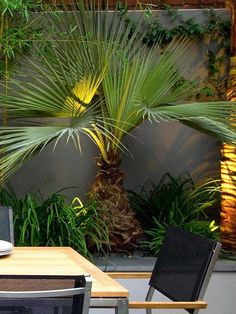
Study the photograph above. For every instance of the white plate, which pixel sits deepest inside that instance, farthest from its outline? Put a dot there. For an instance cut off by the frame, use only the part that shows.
(5, 246)
(5, 253)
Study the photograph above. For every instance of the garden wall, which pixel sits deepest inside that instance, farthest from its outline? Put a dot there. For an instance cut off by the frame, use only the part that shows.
(176, 3)
(154, 150)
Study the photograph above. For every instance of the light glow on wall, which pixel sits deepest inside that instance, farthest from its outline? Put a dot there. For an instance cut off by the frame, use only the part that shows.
(228, 176)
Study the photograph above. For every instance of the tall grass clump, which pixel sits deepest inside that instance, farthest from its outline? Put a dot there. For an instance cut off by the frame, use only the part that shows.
(53, 221)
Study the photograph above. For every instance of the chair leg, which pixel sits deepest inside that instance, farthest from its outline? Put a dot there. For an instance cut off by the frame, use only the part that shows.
(149, 296)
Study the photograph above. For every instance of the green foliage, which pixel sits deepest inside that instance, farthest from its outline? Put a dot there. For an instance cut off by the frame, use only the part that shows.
(215, 31)
(13, 40)
(18, 30)
(54, 222)
(175, 201)
(228, 255)
(214, 27)
(156, 235)
(22, 7)
(101, 82)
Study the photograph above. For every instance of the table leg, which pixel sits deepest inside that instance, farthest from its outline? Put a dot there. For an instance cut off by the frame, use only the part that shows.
(122, 306)
(119, 304)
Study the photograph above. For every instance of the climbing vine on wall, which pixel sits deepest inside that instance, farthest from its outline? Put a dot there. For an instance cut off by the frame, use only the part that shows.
(18, 32)
(214, 32)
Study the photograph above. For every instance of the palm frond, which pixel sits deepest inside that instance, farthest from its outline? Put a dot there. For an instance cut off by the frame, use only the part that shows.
(213, 118)
(18, 144)
(147, 79)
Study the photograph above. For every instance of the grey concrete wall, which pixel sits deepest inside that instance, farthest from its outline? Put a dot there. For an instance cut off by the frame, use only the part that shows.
(157, 149)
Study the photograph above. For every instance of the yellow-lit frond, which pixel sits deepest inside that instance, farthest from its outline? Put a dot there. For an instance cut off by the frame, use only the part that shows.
(83, 92)
(86, 89)
(75, 104)
(98, 141)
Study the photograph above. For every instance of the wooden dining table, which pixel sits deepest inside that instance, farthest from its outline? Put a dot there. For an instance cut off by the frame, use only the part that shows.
(106, 292)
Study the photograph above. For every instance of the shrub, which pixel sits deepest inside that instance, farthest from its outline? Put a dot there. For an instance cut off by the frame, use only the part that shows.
(177, 201)
(55, 222)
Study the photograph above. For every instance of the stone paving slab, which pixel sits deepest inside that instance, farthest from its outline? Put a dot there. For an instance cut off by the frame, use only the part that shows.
(138, 263)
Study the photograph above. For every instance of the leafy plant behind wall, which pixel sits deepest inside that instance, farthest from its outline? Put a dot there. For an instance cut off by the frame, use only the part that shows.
(175, 201)
(17, 31)
(54, 222)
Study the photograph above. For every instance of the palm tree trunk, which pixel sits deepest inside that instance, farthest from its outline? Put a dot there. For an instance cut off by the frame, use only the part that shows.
(124, 228)
(228, 203)
(228, 176)
(228, 163)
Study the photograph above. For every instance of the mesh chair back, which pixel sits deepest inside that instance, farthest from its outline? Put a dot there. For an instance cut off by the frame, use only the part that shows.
(44, 294)
(182, 270)
(6, 224)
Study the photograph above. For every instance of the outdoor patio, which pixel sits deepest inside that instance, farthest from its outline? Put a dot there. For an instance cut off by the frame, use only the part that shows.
(117, 147)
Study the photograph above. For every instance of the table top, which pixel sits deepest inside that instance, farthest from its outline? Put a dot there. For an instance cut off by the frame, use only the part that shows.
(59, 261)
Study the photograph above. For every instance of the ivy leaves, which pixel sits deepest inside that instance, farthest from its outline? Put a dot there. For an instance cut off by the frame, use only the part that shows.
(215, 27)
(213, 30)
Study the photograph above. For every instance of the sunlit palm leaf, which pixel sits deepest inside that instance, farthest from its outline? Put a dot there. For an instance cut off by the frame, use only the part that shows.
(147, 79)
(46, 95)
(164, 83)
(18, 144)
(214, 118)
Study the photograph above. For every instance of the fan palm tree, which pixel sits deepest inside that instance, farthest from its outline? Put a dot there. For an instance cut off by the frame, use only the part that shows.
(101, 81)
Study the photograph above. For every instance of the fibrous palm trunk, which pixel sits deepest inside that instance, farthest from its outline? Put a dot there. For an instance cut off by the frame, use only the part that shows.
(124, 229)
(228, 210)
(228, 176)
(228, 163)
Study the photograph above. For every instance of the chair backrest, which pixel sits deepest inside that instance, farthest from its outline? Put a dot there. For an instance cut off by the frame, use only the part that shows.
(6, 224)
(184, 265)
(45, 294)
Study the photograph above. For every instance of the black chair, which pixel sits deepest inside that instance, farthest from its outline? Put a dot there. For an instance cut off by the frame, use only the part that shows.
(182, 272)
(44, 294)
(6, 224)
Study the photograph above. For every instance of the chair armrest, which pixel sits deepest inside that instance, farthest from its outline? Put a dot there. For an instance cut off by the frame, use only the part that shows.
(167, 305)
(129, 275)
(152, 304)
